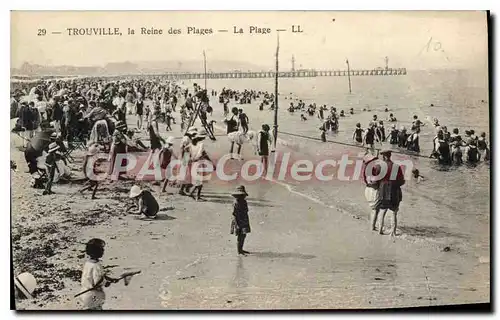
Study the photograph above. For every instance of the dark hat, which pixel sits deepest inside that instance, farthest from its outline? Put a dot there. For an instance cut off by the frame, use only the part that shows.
(240, 191)
(265, 127)
(386, 152)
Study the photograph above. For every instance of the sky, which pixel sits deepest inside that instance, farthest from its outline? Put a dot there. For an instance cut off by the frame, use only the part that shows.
(414, 40)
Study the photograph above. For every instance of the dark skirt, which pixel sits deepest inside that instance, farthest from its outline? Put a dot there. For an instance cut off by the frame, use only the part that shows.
(237, 230)
(390, 196)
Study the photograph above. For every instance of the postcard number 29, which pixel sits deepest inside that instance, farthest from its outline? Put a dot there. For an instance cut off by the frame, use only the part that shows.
(42, 32)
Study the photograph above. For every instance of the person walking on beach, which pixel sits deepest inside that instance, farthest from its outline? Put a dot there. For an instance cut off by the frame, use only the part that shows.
(139, 111)
(154, 138)
(389, 191)
(243, 120)
(147, 206)
(370, 170)
(263, 142)
(197, 153)
(184, 156)
(118, 146)
(232, 122)
(240, 224)
(165, 157)
(51, 164)
(90, 182)
(94, 277)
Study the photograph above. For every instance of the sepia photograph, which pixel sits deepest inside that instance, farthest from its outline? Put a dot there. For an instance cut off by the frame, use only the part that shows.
(250, 160)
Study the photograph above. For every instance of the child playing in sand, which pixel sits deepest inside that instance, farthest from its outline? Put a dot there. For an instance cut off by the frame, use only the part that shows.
(240, 225)
(416, 174)
(145, 202)
(94, 277)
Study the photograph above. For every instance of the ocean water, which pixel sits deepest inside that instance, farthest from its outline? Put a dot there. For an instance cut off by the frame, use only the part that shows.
(452, 206)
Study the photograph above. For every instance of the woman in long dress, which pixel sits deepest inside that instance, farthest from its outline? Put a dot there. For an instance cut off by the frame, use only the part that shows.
(197, 154)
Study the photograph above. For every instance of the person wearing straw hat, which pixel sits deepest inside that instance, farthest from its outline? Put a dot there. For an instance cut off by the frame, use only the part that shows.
(51, 164)
(145, 201)
(240, 224)
(165, 157)
(91, 183)
(389, 191)
(197, 153)
(25, 284)
(118, 146)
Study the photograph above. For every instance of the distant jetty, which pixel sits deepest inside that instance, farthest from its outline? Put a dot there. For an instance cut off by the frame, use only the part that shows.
(288, 74)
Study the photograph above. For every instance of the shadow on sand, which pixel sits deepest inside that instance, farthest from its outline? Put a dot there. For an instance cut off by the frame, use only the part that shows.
(226, 196)
(231, 200)
(428, 232)
(282, 255)
(165, 217)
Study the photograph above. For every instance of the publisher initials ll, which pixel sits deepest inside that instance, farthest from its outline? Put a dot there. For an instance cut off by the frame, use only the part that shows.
(296, 29)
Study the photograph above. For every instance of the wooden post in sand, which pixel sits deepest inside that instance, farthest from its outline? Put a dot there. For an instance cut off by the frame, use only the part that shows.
(205, 68)
(348, 74)
(276, 95)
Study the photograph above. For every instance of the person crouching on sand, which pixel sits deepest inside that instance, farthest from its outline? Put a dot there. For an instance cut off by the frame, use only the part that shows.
(145, 201)
(240, 224)
(94, 277)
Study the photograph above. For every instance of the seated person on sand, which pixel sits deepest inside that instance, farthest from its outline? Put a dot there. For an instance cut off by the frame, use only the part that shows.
(145, 202)
(135, 144)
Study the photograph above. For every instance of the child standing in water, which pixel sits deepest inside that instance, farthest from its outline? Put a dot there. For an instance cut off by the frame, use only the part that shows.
(323, 133)
(358, 133)
(393, 135)
(240, 225)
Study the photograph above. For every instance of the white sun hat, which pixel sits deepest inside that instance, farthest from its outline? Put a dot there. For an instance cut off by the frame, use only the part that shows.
(135, 191)
(26, 283)
(170, 140)
(93, 150)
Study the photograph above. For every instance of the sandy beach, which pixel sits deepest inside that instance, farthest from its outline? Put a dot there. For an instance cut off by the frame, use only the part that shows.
(304, 255)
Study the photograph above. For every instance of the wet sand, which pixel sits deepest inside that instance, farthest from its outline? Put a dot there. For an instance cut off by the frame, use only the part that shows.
(303, 254)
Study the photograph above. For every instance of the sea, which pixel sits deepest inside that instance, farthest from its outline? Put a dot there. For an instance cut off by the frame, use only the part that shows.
(451, 207)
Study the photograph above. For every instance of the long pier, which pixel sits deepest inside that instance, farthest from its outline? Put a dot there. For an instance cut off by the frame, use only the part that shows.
(289, 74)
